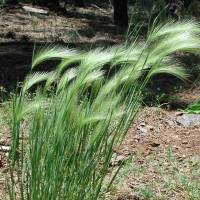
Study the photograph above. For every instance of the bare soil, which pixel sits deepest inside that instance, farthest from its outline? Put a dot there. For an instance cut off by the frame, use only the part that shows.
(162, 129)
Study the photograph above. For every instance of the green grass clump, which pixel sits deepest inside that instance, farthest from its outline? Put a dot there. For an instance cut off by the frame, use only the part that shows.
(194, 108)
(96, 95)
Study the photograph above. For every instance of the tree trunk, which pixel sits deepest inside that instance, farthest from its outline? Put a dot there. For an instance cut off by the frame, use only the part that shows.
(121, 12)
(187, 3)
(79, 3)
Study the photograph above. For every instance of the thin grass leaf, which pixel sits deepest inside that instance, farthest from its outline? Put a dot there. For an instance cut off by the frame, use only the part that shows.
(50, 53)
(34, 79)
(174, 28)
(66, 77)
(173, 70)
(29, 108)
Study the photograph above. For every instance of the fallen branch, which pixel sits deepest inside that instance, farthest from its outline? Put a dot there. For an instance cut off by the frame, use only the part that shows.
(35, 10)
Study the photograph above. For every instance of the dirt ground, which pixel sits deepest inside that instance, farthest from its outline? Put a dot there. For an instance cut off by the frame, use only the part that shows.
(157, 128)
(91, 24)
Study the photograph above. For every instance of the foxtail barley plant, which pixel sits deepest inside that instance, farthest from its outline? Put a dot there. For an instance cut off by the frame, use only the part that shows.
(72, 130)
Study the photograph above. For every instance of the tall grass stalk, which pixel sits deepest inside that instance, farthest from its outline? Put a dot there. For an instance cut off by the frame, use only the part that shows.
(71, 131)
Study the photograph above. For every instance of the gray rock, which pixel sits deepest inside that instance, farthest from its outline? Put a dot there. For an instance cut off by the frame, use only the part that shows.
(142, 131)
(189, 120)
(5, 148)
